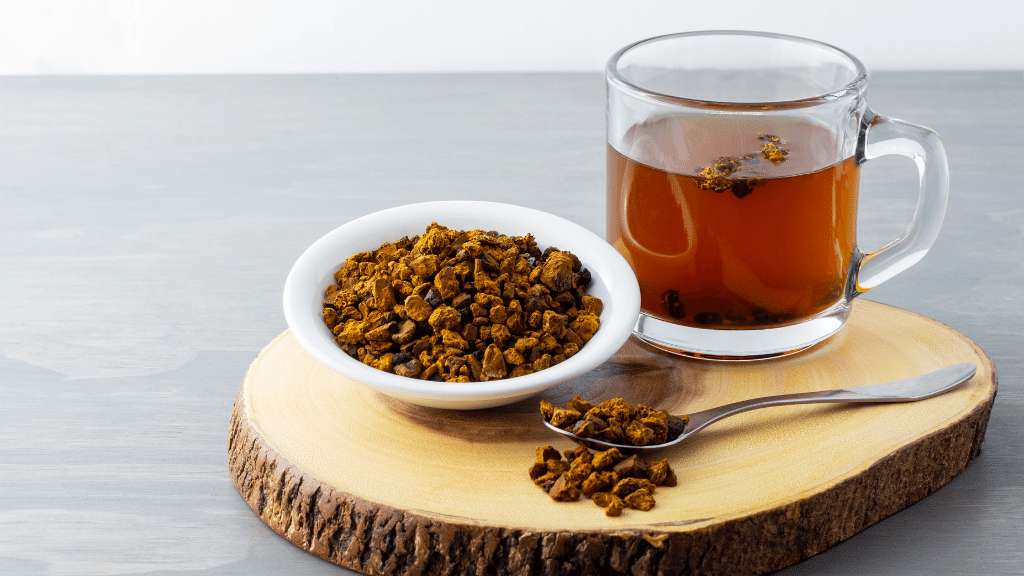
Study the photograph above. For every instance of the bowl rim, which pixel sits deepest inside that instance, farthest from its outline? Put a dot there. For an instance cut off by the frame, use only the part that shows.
(604, 262)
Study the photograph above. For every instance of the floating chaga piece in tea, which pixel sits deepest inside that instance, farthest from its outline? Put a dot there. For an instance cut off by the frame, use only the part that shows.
(462, 306)
(597, 476)
(771, 149)
(774, 153)
(718, 177)
(743, 188)
(709, 178)
(727, 165)
(615, 421)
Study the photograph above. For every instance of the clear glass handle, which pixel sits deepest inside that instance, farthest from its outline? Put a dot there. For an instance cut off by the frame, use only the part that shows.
(883, 136)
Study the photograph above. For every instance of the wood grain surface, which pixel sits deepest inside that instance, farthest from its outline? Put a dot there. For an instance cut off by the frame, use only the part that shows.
(386, 487)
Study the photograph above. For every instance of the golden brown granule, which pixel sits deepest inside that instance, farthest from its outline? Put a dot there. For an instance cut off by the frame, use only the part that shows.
(632, 467)
(611, 503)
(641, 499)
(605, 460)
(580, 469)
(598, 481)
(545, 453)
(537, 470)
(576, 452)
(564, 490)
(771, 151)
(627, 486)
(709, 178)
(661, 474)
(563, 417)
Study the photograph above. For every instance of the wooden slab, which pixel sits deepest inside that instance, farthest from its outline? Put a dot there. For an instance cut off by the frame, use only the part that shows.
(386, 487)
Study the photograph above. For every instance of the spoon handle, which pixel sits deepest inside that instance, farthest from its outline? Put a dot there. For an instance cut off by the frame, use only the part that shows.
(908, 390)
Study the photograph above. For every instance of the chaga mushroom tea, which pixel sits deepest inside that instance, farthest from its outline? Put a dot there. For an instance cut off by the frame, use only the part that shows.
(733, 171)
(752, 236)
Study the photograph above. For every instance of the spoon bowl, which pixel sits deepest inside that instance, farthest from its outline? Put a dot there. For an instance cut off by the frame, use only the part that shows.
(906, 390)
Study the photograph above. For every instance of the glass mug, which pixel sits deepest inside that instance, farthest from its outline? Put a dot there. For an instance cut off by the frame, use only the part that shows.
(733, 169)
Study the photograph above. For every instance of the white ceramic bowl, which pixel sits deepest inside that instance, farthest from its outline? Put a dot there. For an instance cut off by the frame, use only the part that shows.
(613, 282)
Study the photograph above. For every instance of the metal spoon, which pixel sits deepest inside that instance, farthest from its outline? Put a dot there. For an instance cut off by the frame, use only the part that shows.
(908, 390)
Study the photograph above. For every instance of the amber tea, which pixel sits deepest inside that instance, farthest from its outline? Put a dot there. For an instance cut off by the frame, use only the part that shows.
(751, 232)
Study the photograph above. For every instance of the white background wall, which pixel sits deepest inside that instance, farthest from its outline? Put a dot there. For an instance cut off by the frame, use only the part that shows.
(282, 36)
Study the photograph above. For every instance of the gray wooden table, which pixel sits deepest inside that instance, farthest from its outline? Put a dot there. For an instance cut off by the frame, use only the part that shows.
(147, 225)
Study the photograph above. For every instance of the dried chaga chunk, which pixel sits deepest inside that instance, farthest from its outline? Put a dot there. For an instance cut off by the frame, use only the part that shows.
(615, 421)
(547, 409)
(537, 470)
(641, 499)
(605, 460)
(462, 306)
(597, 476)
(545, 453)
(563, 417)
(598, 481)
(563, 490)
(661, 474)
(632, 467)
(627, 486)
(611, 503)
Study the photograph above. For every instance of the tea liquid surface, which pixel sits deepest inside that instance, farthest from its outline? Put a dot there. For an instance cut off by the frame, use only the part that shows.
(737, 240)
